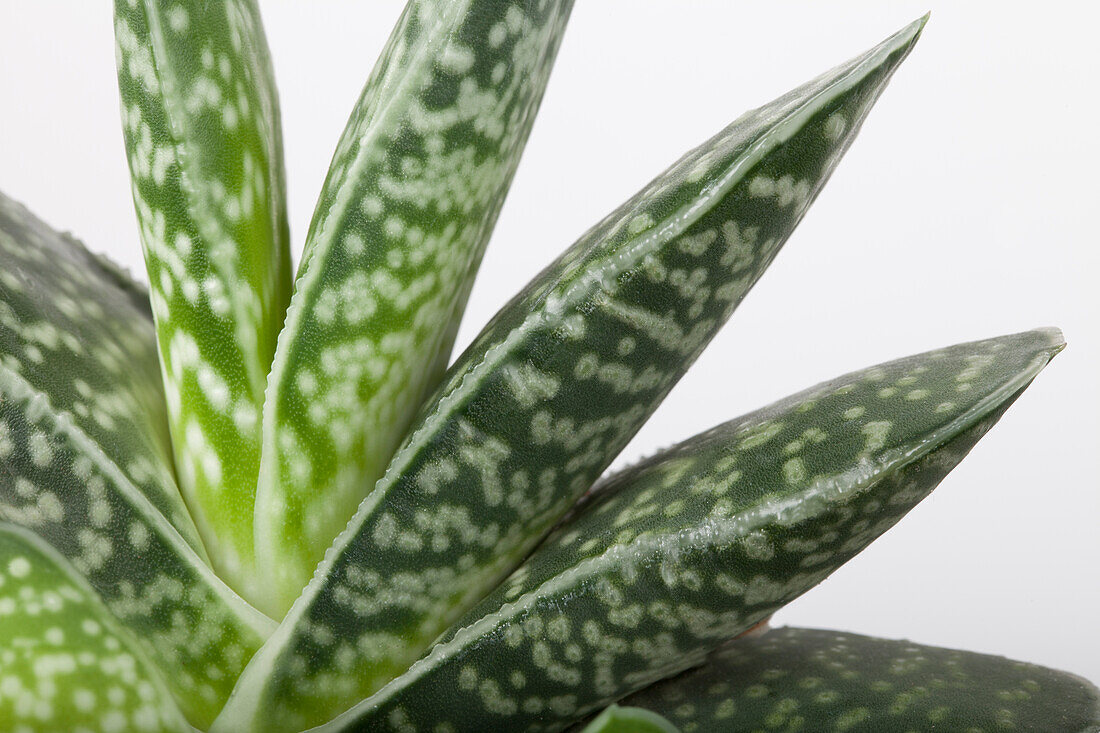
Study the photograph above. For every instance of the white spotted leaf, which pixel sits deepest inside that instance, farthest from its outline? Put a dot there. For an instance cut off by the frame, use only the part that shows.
(696, 545)
(67, 665)
(76, 338)
(201, 123)
(85, 460)
(813, 679)
(549, 393)
(411, 198)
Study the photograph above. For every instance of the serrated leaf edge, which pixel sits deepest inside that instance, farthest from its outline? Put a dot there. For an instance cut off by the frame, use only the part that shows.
(611, 268)
(38, 404)
(306, 279)
(720, 532)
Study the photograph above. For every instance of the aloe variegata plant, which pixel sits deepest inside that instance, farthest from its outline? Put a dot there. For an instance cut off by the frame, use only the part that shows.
(237, 501)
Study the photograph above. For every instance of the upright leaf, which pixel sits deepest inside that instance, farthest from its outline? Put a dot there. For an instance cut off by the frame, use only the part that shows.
(412, 195)
(201, 122)
(66, 663)
(815, 680)
(696, 545)
(84, 458)
(549, 393)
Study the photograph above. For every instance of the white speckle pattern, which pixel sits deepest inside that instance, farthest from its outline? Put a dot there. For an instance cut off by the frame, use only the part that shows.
(200, 119)
(798, 679)
(413, 191)
(64, 662)
(84, 436)
(664, 561)
(547, 395)
(97, 363)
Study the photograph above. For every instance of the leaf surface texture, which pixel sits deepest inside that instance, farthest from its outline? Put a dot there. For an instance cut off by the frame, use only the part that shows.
(411, 198)
(67, 665)
(698, 544)
(812, 679)
(85, 461)
(549, 393)
(201, 123)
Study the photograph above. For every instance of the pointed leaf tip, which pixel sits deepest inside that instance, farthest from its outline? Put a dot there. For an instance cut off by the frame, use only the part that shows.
(701, 542)
(549, 392)
(413, 191)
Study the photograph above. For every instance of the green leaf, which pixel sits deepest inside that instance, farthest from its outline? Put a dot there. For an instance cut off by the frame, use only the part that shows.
(76, 331)
(84, 458)
(66, 663)
(549, 393)
(814, 680)
(201, 122)
(696, 545)
(412, 195)
(617, 719)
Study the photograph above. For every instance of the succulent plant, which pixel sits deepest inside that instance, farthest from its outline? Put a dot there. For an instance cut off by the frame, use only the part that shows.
(239, 499)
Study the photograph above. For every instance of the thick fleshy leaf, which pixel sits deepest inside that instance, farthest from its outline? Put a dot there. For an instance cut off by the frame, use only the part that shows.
(617, 719)
(550, 392)
(84, 459)
(697, 544)
(66, 664)
(411, 198)
(815, 680)
(201, 122)
(77, 331)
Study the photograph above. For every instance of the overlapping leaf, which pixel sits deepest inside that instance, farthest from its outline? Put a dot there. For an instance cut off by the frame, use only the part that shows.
(412, 195)
(77, 331)
(694, 546)
(201, 122)
(809, 679)
(66, 663)
(85, 463)
(549, 393)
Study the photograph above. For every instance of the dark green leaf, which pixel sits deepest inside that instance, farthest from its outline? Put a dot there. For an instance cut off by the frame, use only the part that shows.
(811, 680)
(201, 121)
(411, 198)
(549, 393)
(699, 543)
(77, 331)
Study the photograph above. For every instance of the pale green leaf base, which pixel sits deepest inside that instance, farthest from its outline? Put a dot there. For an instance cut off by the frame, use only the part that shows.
(200, 119)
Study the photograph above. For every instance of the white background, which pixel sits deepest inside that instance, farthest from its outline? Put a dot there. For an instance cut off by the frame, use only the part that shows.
(967, 208)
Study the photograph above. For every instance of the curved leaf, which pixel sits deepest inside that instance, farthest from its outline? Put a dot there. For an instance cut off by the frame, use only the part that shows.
(201, 122)
(699, 543)
(84, 459)
(66, 664)
(411, 198)
(809, 679)
(549, 393)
